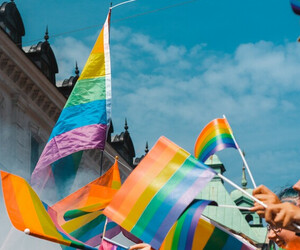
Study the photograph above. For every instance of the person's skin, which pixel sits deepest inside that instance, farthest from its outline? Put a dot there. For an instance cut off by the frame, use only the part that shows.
(277, 214)
(141, 246)
(297, 187)
(285, 239)
(283, 215)
(266, 196)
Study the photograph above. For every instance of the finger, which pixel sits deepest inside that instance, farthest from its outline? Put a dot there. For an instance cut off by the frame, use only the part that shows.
(261, 214)
(257, 208)
(139, 246)
(261, 190)
(269, 214)
(279, 218)
(287, 220)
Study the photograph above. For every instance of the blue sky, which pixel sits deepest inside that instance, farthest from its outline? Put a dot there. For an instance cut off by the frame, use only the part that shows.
(176, 69)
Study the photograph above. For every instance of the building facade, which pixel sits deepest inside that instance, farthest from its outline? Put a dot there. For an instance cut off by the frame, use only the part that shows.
(30, 104)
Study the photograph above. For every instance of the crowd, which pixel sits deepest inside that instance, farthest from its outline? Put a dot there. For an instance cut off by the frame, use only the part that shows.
(282, 215)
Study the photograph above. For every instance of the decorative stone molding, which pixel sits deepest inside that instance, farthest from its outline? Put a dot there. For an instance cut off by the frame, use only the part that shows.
(34, 94)
(16, 76)
(28, 88)
(10, 69)
(3, 62)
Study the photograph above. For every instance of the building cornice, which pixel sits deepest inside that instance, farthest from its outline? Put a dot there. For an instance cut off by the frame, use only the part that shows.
(24, 78)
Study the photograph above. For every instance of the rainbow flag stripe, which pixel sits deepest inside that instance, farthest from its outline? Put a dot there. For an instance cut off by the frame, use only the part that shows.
(295, 6)
(193, 232)
(84, 120)
(105, 245)
(215, 136)
(27, 211)
(158, 191)
(81, 213)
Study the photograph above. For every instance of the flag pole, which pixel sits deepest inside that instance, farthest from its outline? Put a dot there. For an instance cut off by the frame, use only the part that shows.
(104, 229)
(242, 190)
(232, 206)
(101, 162)
(7, 239)
(115, 243)
(249, 195)
(242, 155)
(129, 1)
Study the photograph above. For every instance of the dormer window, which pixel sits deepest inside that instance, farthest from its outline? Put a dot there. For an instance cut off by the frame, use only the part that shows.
(11, 22)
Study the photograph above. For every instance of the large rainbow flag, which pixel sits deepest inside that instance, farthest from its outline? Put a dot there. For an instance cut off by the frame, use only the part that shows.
(81, 213)
(83, 121)
(29, 214)
(158, 191)
(295, 6)
(192, 231)
(215, 136)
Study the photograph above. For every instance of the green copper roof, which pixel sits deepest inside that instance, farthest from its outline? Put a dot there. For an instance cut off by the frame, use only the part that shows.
(213, 160)
(231, 217)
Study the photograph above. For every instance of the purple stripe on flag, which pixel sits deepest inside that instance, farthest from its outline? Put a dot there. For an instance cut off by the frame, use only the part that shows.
(194, 223)
(180, 205)
(87, 137)
(219, 147)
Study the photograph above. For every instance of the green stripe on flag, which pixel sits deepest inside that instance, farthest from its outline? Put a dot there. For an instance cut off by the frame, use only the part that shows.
(217, 240)
(87, 90)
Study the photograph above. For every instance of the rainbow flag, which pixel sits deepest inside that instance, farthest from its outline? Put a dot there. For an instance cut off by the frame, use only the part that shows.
(295, 4)
(28, 213)
(84, 120)
(105, 245)
(215, 136)
(192, 231)
(81, 213)
(158, 191)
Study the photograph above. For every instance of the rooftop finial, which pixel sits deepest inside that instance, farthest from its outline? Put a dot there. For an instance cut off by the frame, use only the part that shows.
(146, 148)
(46, 34)
(76, 69)
(126, 127)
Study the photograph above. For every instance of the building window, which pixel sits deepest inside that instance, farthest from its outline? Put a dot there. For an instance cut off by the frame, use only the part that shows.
(34, 153)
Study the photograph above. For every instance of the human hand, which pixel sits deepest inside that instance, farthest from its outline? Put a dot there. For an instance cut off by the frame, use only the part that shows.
(266, 196)
(141, 246)
(283, 215)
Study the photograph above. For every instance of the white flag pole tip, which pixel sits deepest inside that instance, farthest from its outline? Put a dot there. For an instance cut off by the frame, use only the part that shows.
(122, 3)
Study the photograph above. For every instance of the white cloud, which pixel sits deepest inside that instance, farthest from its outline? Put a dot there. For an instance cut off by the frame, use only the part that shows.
(67, 51)
(171, 90)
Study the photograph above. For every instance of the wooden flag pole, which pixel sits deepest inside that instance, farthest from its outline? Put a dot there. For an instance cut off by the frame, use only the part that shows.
(243, 157)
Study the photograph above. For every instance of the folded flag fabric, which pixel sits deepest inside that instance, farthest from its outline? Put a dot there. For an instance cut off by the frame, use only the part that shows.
(28, 214)
(105, 245)
(215, 136)
(158, 191)
(83, 121)
(295, 4)
(81, 213)
(192, 231)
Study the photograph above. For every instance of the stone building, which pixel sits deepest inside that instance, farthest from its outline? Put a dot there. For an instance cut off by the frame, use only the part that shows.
(30, 104)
